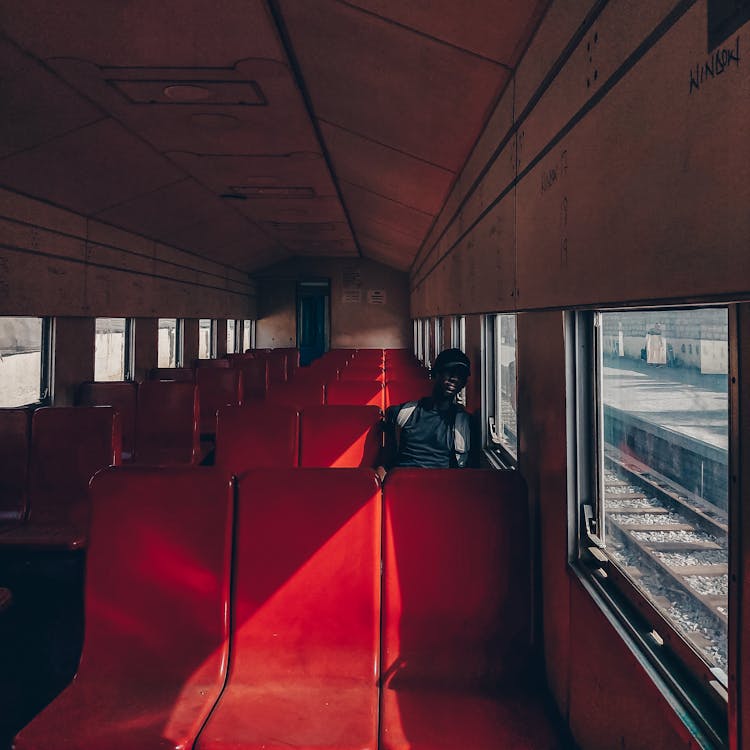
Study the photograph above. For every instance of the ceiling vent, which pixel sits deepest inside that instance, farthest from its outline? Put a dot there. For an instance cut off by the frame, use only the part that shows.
(190, 92)
(272, 191)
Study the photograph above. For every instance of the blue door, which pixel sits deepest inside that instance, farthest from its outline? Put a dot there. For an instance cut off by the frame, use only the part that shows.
(312, 320)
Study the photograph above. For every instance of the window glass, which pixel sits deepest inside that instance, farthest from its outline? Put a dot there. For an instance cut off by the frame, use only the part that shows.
(110, 349)
(427, 342)
(663, 464)
(438, 332)
(21, 358)
(415, 338)
(248, 335)
(231, 336)
(169, 344)
(206, 348)
(499, 373)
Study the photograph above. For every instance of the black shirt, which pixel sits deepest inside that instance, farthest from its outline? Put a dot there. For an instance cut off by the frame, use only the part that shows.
(424, 440)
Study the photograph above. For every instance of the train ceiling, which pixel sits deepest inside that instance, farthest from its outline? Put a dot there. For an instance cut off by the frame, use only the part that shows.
(251, 132)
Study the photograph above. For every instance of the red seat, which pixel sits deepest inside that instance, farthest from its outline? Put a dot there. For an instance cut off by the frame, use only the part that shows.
(157, 590)
(255, 377)
(217, 387)
(355, 393)
(122, 395)
(456, 613)
(305, 620)
(369, 357)
(401, 391)
(166, 423)
(355, 371)
(14, 460)
(402, 371)
(184, 374)
(340, 436)
(299, 394)
(220, 363)
(68, 446)
(277, 366)
(257, 436)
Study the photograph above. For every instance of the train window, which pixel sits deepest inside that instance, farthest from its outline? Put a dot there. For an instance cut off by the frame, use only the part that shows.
(427, 343)
(112, 349)
(499, 386)
(206, 338)
(231, 336)
(657, 510)
(170, 342)
(415, 338)
(458, 332)
(248, 335)
(437, 330)
(24, 360)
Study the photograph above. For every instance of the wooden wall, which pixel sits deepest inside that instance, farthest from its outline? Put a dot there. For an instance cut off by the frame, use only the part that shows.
(613, 171)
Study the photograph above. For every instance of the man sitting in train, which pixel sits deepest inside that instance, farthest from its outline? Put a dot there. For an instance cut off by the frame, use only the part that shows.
(435, 432)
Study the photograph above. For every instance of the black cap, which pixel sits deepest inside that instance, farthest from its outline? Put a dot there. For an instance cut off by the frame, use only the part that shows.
(451, 358)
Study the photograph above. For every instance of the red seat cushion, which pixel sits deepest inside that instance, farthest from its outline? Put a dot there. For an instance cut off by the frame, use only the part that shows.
(217, 387)
(297, 394)
(68, 446)
(256, 436)
(157, 589)
(401, 391)
(255, 377)
(354, 393)
(456, 613)
(122, 396)
(167, 421)
(306, 613)
(340, 436)
(14, 459)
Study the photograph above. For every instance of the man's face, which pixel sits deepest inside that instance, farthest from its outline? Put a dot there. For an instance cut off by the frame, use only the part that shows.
(450, 380)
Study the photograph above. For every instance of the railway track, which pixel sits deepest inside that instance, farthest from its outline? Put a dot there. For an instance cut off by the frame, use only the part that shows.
(673, 544)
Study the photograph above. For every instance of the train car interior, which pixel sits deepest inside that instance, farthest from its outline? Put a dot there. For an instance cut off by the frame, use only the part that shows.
(234, 238)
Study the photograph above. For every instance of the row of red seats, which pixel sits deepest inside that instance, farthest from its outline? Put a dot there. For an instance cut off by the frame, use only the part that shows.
(271, 436)
(46, 463)
(310, 646)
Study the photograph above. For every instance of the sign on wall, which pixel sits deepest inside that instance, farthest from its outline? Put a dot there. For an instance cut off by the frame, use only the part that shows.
(376, 296)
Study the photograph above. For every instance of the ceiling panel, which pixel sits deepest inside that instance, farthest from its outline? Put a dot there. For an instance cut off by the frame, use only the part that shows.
(383, 170)
(89, 169)
(36, 105)
(278, 124)
(169, 33)
(497, 29)
(401, 89)
(362, 203)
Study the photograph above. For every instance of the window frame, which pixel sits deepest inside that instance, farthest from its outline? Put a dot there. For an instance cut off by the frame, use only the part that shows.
(671, 659)
(46, 361)
(178, 341)
(491, 372)
(128, 364)
(249, 325)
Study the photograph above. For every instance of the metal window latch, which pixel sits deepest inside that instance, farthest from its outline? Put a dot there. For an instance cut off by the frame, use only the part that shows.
(493, 429)
(589, 522)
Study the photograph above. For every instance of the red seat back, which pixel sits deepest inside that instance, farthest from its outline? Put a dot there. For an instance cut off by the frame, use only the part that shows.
(167, 422)
(355, 371)
(217, 387)
(456, 592)
(401, 391)
(122, 396)
(157, 582)
(14, 460)
(183, 374)
(257, 436)
(277, 366)
(299, 394)
(156, 601)
(340, 436)
(220, 363)
(369, 357)
(68, 446)
(307, 577)
(255, 377)
(355, 393)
